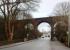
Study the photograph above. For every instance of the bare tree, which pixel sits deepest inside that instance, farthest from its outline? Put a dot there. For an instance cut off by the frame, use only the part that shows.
(23, 15)
(62, 9)
(9, 10)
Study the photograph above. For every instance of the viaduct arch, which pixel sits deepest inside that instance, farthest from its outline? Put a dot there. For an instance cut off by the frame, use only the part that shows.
(50, 20)
(37, 21)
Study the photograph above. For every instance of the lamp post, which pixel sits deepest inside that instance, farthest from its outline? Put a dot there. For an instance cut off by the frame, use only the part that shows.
(68, 38)
(69, 31)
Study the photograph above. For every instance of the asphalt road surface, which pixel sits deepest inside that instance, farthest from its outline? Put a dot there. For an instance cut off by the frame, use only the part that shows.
(38, 44)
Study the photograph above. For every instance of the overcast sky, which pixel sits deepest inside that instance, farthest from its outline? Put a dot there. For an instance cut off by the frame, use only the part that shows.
(46, 8)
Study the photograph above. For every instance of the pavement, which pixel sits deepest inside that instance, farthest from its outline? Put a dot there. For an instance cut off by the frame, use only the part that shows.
(37, 44)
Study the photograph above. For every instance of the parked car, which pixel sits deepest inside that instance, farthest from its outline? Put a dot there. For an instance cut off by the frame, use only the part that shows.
(48, 35)
(42, 37)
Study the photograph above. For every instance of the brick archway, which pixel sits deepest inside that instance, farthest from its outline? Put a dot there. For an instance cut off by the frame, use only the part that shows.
(49, 20)
(37, 21)
(45, 29)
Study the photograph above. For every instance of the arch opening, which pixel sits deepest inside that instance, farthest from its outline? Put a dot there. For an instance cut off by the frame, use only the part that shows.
(45, 29)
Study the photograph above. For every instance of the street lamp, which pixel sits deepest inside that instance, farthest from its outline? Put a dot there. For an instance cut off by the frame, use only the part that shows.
(68, 37)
